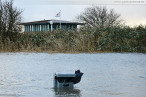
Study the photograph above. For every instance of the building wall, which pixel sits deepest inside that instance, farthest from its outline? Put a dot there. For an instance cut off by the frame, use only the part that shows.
(47, 27)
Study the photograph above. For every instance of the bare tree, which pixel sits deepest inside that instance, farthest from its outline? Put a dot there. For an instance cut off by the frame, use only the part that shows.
(10, 17)
(99, 17)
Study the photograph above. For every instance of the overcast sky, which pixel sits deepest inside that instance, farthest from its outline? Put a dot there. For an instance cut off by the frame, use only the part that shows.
(133, 13)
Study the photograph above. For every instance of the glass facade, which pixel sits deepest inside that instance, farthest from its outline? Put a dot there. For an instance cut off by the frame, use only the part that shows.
(47, 27)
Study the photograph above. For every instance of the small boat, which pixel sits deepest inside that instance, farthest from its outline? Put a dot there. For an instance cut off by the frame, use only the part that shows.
(67, 80)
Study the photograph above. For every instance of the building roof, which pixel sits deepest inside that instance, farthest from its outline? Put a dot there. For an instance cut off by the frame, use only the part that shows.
(54, 21)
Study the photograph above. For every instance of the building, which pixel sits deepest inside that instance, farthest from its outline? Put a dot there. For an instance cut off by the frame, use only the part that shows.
(49, 25)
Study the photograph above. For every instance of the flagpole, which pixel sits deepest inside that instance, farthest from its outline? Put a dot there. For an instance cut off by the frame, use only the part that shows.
(60, 19)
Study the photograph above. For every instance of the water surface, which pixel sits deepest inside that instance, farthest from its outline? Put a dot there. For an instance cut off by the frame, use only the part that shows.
(105, 74)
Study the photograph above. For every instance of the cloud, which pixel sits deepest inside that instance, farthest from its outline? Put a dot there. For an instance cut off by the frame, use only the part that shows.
(43, 9)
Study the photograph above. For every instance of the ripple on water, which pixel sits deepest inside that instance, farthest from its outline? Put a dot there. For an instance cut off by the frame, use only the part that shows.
(105, 74)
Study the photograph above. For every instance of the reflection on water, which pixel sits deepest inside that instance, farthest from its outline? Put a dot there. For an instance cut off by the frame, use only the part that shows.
(67, 92)
(105, 74)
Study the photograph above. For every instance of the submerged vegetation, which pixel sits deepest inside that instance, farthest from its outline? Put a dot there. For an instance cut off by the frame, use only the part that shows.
(111, 39)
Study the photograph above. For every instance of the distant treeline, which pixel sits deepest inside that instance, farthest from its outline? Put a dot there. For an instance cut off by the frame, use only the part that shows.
(110, 39)
(103, 32)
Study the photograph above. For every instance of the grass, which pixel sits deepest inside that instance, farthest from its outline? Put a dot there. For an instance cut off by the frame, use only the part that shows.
(113, 39)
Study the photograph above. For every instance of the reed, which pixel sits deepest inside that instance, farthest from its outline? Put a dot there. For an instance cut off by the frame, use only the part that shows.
(111, 39)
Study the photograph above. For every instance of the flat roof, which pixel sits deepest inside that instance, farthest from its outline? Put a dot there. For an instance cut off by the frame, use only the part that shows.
(54, 21)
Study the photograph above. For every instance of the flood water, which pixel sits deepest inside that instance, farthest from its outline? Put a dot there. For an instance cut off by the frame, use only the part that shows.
(105, 74)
